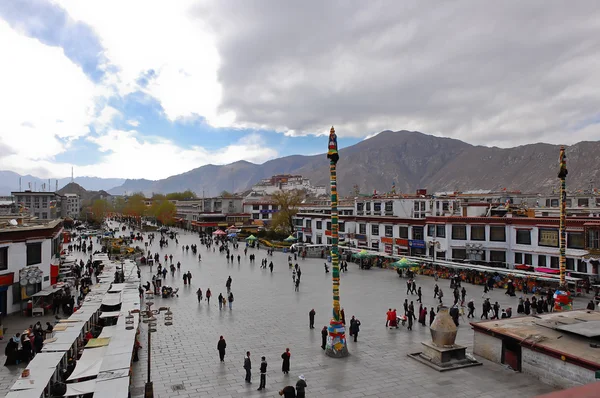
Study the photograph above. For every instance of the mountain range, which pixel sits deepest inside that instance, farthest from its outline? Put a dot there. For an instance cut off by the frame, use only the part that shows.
(9, 182)
(408, 159)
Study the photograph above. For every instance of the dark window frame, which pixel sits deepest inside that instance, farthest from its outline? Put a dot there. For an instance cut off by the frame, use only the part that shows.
(455, 232)
(3, 258)
(496, 228)
(474, 235)
(523, 237)
(34, 252)
(441, 228)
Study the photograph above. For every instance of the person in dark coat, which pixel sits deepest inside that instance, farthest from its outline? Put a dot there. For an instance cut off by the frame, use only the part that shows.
(11, 352)
(343, 316)
(221, 345)
(354, 327)
(300, 386)
(288, 392)
(410, 316)
(471, 307)
(454, 314)
(263, 374)
(248, 367)
(311, 319)
(285, 366)
(423, 316)
(324, 334)
(26, 352)
(431, 316)
(591, 306)
(527, 306)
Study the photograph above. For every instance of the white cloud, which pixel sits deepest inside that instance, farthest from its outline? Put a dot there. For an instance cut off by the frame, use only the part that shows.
(165, 38)
(133, 123)
(45, 100)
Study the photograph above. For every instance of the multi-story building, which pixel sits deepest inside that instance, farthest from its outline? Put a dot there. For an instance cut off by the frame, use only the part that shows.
(43, 205)
(496, 230)
(287, 182)
(71, 205)
(30, 244)
(208, 213)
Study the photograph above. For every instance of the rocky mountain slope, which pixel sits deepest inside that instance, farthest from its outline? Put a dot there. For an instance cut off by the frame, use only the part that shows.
(409, 159)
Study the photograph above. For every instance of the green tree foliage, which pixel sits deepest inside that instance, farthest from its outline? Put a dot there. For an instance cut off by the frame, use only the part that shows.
(288, 203)
(119, 205)
(181, 195)
(158, 196)
(226, 194)
(100, 209)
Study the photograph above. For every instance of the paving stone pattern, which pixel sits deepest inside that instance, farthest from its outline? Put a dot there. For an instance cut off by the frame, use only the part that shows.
(268, 316)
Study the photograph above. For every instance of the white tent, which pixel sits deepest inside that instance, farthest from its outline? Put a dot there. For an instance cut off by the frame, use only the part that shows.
(84, 387)
(108, 331)
(114, 388)
(89, 364)
(110, 314)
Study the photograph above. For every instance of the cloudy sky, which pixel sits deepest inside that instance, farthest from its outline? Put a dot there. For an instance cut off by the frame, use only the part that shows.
(154, 88)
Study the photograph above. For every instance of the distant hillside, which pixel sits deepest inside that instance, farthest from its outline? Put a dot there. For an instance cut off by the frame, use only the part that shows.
(9, 181)
(410, 159)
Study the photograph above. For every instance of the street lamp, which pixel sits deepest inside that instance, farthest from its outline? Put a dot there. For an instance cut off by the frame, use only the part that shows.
(149, 317)
(436, 245)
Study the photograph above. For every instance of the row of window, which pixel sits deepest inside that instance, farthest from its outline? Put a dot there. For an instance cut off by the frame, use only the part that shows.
(388, 206)
(264, 207)
(547, 236)
(34, 254)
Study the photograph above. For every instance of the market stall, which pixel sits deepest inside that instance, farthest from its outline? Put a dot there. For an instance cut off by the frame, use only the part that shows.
(42, 300)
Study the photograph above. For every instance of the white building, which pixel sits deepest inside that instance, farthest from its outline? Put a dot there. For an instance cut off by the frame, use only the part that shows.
(33, 245)
(286, 182)
(71, 205)
(43, 205)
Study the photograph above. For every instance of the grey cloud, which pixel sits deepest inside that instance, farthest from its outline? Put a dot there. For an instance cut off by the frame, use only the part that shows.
(499, 73)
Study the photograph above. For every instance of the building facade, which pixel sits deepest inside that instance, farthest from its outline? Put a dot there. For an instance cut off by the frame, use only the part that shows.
(30, 245)
(71, 205)
(43, 205)
(209, 213)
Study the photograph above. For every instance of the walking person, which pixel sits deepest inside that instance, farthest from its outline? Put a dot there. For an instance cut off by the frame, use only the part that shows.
(300, 386)
(354, 327)
(471, 307)
(199, 294)
(221, 345)
(285, 366)
(230, 299)
(431, 316)
(311, 319)
(263, 374)
(419, 294)
(220, 298)
(324, 334)
(248, 367)
(208, 295)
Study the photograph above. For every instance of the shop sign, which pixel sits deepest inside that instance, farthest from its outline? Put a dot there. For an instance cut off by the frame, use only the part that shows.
(416, 244)
(327, 232)
(362, 238)
(388, 249)
(389, 241)
(7, 279)
(307, 230)
(548, 237)
(402, 243)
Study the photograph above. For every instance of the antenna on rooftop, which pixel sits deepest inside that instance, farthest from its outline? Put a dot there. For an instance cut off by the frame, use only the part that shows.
(72, 179)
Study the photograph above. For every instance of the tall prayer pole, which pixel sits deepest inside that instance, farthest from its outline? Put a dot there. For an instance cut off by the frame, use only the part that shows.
(562, 297)
(336, 341)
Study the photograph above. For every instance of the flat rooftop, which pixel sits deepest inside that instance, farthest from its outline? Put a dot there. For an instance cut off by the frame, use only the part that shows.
(27, 225)
(568, 333)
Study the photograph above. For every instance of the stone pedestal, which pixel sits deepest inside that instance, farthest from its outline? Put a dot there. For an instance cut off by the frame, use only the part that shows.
(443, 355)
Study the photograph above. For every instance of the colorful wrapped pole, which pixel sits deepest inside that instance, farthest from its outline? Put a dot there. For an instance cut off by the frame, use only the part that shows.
(562, 297)
(336, 341)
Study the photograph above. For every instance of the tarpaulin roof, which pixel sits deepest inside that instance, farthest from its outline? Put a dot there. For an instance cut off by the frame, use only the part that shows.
(89, 364)
(81, 388)
(114, 388)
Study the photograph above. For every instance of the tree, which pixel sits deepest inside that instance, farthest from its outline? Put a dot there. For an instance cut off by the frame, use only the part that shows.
(136, 205)
(99, 209)
(163, 210)
(158, 196)
(187, 194)
(226, 194)
(288, 203)
(119, 205)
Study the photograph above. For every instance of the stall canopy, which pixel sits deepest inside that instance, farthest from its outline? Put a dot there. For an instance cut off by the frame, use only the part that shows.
(403, 263)
(89, 364)
(362, 254)
(81, 388)
(47, 291)
(251, 237)
(114, 388)
(290, 239)
(219, 232)
(112, 299)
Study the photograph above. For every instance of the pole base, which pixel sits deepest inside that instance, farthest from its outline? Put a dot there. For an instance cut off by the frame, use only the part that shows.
(149, 390)
(336, 341)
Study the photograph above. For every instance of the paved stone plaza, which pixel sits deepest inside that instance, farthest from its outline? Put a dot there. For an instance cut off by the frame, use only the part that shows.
(268, 316)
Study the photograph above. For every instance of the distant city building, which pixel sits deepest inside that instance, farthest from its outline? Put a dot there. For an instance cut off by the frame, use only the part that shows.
(287, 182)
(71, 205)
(207, 214)
(43, 205)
